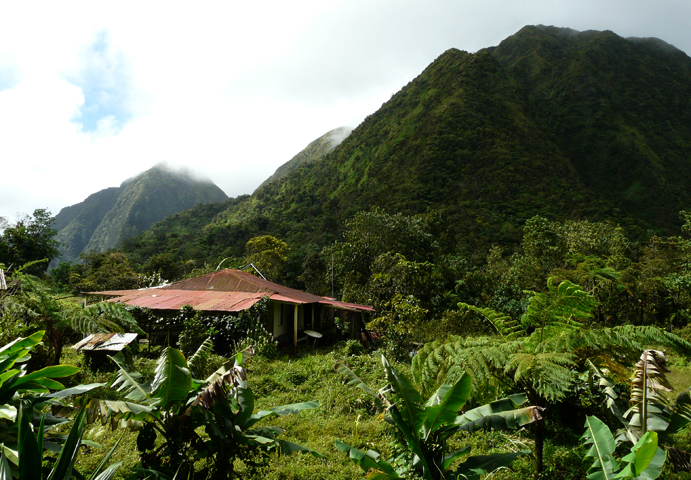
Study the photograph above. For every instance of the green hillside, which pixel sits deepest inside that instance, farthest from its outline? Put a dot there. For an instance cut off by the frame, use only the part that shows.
(554, 122)
(619, 109)
(106, 218)
(76, 224)
(312, 152)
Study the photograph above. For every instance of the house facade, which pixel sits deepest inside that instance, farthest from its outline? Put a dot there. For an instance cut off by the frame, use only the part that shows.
(291, 311)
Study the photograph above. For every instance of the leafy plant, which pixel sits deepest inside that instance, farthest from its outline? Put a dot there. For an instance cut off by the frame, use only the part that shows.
(644, 462)
(176, 404)
(32, 303)
(650, 409)
(544, 363)
(21, 389)
(427, 425)
(23, 393)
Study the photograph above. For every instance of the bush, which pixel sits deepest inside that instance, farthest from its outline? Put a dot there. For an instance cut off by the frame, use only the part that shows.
(230, 333)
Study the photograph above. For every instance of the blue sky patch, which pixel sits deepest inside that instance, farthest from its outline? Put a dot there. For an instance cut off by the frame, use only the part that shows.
(9, 76)
(104, 80)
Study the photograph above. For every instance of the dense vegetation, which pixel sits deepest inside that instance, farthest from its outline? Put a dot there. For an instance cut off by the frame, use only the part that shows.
(311, 153)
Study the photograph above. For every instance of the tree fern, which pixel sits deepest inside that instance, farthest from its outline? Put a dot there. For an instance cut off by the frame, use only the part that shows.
(544, 363)
(507, 327)
(565, 306)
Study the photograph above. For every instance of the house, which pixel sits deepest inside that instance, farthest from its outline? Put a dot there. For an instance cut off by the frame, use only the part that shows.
(232, 291)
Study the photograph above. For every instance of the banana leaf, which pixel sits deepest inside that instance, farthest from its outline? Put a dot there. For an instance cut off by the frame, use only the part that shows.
(602, 450)
(369, 462)
(410, 405)
(475, 467)
(289, 447)
(357, 382)
(443, 406)
(644, 461)
(172, 380)
(128, 381)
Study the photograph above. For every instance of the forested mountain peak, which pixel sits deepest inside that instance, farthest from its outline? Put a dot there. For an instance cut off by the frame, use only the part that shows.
(311, 153)
(618, 108)
(107, 217)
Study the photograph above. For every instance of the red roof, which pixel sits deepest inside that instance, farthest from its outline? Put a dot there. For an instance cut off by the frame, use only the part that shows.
(226, 291)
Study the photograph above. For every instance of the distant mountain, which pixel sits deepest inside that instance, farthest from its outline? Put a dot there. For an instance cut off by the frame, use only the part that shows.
(564, 124)
(312, 152)
(108, 217)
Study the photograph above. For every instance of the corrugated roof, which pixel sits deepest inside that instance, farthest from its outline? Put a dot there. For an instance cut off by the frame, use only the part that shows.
(226, 290)
(105, 342)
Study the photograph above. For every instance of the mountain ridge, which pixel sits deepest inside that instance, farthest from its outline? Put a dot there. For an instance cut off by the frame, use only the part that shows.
(551, 122)
(106, 218)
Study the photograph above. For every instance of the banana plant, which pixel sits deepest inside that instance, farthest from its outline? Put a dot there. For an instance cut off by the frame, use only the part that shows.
(22, 395)
(170, 411)
(32, 390)
(650, 409)
(644, 462)
(427, 425)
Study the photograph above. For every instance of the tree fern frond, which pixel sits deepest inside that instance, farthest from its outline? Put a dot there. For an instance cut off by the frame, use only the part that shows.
(483, 357)
(551, 375)
(564, 305)
(506, 326)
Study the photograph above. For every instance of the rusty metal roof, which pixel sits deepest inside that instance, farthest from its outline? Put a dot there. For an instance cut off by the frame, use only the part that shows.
(105, 342)
(226, 290)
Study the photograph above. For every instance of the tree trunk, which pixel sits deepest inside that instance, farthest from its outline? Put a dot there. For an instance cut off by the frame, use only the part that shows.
(539, 447)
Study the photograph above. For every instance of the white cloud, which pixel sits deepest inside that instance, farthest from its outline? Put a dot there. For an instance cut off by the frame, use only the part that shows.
(230, 89)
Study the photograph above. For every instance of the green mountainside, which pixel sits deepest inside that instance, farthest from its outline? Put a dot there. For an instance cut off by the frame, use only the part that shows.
(76, 224)
(554, 122)
(619, 109)
(312, 152)
(108, 217)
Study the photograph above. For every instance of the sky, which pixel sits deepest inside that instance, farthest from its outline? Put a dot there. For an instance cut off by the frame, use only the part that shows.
(93, 93)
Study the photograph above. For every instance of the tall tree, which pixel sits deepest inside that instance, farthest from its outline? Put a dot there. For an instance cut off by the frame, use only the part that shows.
(31, 238)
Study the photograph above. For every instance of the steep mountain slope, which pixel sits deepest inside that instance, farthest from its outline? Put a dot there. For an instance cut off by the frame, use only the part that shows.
(76, 224)
(458, 137)
(619, 109)
(108, 217)
(312, 152)
(550, 122)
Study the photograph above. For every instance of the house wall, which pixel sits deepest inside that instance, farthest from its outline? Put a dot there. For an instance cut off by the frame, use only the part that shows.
(283, 315)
